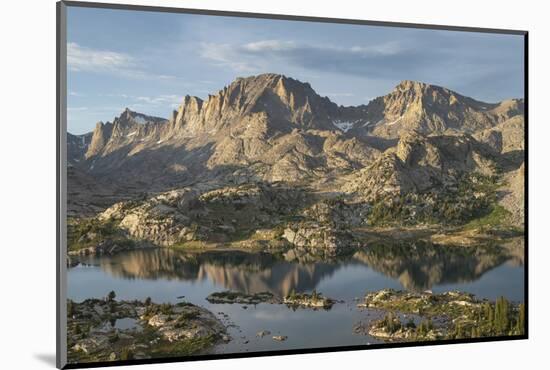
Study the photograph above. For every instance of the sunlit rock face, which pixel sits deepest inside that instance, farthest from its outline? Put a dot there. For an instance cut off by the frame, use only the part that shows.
(271, 127)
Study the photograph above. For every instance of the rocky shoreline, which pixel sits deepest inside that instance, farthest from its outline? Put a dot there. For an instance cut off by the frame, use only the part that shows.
(296, 220)
(110, 330)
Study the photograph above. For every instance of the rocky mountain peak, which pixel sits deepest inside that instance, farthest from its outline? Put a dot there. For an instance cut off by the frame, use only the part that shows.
(192, 101)
(287, 102)
(289, 131)
(419, 92)
(427, 108)
(410, 84)
(100, 137)
(286, 88)
(188, 111)
(128, 125)
(129, 116)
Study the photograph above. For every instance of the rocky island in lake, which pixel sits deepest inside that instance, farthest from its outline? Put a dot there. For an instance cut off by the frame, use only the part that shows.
(109, 330)
(450, 315)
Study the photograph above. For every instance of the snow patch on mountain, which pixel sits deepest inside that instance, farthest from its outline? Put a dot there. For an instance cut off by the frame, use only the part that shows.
(343, 125)
(140, 119)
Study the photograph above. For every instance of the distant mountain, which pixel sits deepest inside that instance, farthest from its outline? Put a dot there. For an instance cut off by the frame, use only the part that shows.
(431, 109)
(271, 128)
(128, 128)
(77, 146)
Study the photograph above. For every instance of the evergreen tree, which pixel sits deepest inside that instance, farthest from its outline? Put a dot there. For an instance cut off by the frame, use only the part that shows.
(424, 328)
(126, 354)
(459, 331)
(489, 316)
(111, 296)
(501, 320)
(520, 324)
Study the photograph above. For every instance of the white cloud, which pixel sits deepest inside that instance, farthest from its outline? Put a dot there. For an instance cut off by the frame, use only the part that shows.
(80, 58)
(160, 100)
(269, 45)
(225, 55)
(263, 55)
(110, 95)
(85, 59)
(389, 48)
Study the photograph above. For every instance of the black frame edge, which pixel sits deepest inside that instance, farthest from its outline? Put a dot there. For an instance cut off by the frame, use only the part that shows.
(526, 179)
(57, 215)
(290, 352)
(287, 17)
(61, 145)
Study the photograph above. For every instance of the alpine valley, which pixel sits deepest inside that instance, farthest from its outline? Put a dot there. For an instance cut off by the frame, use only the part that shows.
(268, 189)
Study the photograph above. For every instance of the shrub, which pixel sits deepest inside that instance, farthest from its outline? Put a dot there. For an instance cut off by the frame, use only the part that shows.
(114, 338)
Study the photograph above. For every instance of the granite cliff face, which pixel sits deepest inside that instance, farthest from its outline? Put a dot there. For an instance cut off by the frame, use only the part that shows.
(267, 127)
(267, 150)
(274, 128)
(284, 102)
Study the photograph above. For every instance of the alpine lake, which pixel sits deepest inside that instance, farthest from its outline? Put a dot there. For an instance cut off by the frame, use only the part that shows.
(172, 276)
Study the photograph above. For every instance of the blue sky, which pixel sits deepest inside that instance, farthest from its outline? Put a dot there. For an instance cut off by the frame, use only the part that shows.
(148, 61)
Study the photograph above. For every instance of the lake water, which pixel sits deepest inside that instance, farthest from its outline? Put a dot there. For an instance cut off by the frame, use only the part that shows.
(172, 276)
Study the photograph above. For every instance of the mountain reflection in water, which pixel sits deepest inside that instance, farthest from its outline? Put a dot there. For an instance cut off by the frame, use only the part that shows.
(417, 266)
(420, 266)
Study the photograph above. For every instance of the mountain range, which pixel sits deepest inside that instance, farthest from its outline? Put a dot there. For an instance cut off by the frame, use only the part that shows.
(274, 129)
